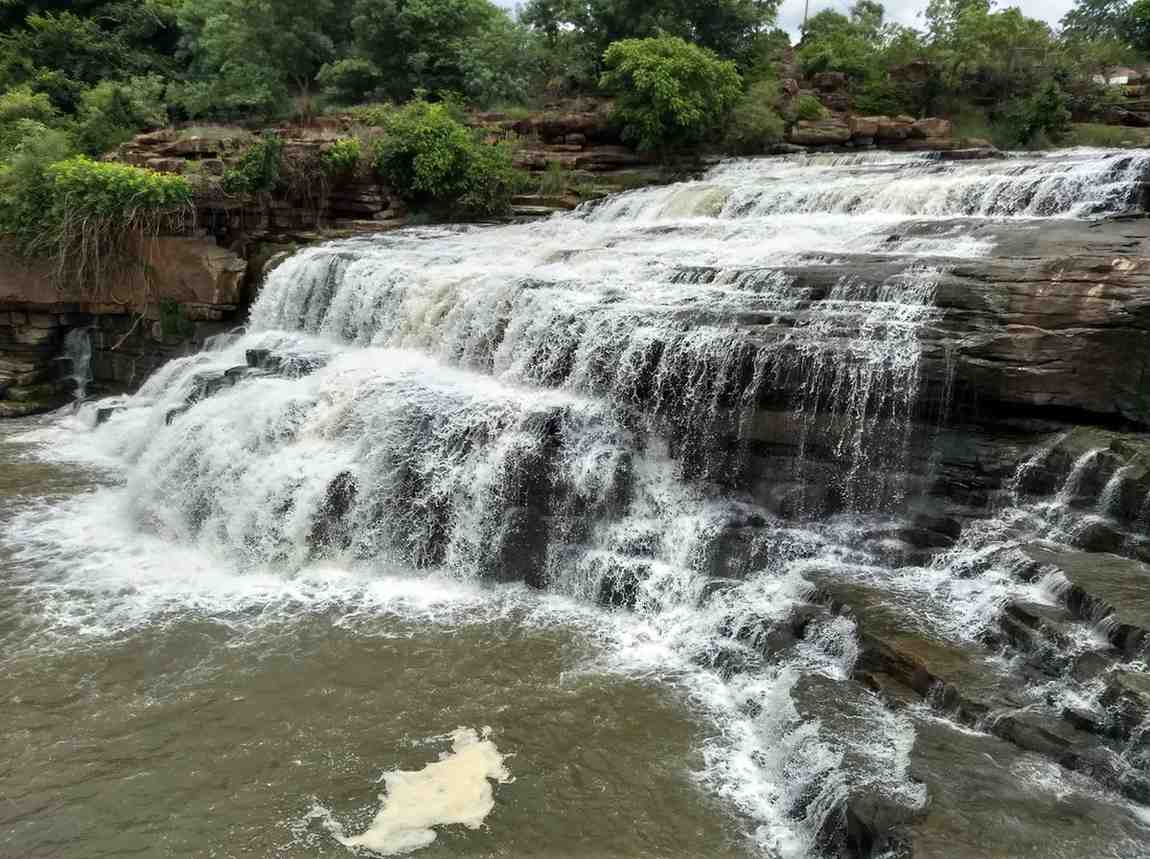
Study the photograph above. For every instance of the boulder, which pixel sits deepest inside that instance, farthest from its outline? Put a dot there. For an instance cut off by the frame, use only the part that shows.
(931, 127)
(830, 81)
(864, 126)
(893, 129)
(820, 132)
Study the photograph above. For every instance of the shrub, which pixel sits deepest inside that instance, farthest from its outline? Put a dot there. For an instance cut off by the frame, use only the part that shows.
(880, 97)
(555, 180)
(23, 112)
(668, 92)
(428, 157)
(350, 80)
(342, 157)
(373, 115)
(1037, 121)
(754, 123)
(808, 107)
(112, 112)
(258, 170)
(173, 322)
(83, 213)
(1106, 136)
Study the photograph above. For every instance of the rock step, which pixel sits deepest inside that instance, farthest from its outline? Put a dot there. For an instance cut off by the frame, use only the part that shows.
(1106, 590)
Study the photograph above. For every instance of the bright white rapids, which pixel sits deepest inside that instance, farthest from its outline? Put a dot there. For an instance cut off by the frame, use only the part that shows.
(454, 790)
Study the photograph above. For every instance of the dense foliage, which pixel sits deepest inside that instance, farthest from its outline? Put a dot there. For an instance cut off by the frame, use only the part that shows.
(104, 69)
(432, 159)
(668, 91)
(82, 214)
(79, 77)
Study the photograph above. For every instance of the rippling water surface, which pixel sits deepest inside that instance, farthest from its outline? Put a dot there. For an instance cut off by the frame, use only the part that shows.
(205, 714)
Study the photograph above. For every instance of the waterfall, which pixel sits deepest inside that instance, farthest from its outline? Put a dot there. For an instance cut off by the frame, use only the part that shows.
(641, 407)
(78, 353)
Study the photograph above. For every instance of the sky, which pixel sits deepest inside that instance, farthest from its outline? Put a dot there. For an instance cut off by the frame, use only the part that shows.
(906, 11)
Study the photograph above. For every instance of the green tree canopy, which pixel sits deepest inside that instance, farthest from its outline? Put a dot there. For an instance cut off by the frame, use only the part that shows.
(668, 91)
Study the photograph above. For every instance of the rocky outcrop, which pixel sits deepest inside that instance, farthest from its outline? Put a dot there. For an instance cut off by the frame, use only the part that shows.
(820, 132)
(899, 133)
(198, 285)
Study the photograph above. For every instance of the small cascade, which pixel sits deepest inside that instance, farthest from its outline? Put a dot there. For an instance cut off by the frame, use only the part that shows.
(78, 354)
(1111, 495)
(1075, 183)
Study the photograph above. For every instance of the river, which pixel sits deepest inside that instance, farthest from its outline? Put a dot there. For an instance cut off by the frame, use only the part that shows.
(477, 542)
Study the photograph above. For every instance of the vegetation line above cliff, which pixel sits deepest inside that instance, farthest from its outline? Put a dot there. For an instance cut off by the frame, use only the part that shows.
(80, 78)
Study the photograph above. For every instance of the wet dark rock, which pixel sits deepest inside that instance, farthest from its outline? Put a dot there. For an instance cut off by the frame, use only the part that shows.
(771, 636)
(1106, 590)
(980, 807)
(1127, 700)
(620, 587)
(875, 801)
(1099, 536)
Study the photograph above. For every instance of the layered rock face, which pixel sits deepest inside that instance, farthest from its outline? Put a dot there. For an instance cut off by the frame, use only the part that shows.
(201, 284)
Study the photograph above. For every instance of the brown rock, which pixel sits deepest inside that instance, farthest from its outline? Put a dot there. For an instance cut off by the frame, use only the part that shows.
(830, 81)
(931, 127)
(893, 129)
(865, 126)
(820, 132)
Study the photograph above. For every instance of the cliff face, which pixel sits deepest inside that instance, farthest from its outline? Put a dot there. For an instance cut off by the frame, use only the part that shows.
(179, 290)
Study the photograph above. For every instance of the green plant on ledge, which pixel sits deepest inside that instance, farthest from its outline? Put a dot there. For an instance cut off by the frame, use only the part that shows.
(810, 108)
(342, 157)
(258, 170)
(431, 159)
(88, 216)
(173, 323)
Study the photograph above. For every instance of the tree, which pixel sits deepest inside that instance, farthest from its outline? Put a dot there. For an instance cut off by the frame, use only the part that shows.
(259, 52)
(1096, 19)
(727, 27)
(668, 91)
(1136, 26)
(418, 44)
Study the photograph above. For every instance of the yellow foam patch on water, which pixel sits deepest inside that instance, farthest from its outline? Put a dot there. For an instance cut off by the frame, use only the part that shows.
(455, 789)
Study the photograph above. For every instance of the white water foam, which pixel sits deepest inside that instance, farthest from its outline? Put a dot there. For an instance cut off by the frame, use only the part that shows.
(455, 790)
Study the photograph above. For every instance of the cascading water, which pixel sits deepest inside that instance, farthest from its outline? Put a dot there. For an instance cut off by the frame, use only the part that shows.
(78, 354)
(638, 406)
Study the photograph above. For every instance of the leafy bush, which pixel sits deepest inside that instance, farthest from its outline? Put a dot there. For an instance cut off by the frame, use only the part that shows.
(1036, 122)
(754, 123)
(342, 157)
(808, 107)
(83, 214)
(555, 180)
(1107, 136)
(350, 80)
(258, 170)
(428, 157)
(22, 112)
(668, 92)
(880, 97)
(373, 115)
(112, 112)
(173, 322)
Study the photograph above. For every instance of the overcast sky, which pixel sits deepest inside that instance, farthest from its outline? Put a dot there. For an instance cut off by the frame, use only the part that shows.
(906, 11)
